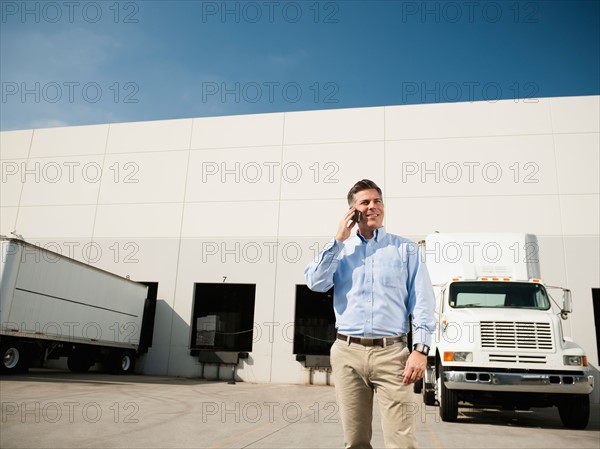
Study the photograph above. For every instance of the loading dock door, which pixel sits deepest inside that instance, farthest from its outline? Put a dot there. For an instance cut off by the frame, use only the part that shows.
(314, 322)
(223, 317)
(147, 331)
(596, 304)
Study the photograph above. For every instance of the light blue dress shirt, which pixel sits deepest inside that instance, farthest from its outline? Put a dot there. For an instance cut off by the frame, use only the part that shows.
(378, 283)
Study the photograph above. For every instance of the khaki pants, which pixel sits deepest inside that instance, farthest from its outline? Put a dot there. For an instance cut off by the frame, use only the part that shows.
(358, 372)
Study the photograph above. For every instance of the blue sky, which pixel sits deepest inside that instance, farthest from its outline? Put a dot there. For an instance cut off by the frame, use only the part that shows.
(76, 63)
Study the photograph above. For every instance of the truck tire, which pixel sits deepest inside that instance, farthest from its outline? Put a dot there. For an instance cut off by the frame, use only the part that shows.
(418, 386)
(574, 411)
(428, 389)
(448, 401)
(14, 358)
(121, 362)
(80, 361)
(428, 394)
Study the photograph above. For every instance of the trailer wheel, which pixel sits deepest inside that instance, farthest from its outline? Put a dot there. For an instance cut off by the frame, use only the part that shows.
(121, 362)
(574, 411)
(14, 358)
(80, 361)
(448, 401)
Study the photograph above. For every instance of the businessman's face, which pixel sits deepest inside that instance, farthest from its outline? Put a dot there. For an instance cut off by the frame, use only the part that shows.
(369, 202)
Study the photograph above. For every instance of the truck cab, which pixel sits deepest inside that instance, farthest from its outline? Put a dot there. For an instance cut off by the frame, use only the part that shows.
(499, 339)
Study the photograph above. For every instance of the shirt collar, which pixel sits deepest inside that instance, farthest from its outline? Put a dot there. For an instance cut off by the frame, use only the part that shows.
(378, 235)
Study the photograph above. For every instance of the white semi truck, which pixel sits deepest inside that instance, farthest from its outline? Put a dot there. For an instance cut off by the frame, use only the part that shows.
(52, 306)
(499, 339)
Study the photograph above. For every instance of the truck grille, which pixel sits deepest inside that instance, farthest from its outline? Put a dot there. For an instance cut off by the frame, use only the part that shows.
(516, 335)
(512, 358)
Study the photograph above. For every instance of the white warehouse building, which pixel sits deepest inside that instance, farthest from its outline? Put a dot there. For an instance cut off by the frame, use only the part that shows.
(222, 214)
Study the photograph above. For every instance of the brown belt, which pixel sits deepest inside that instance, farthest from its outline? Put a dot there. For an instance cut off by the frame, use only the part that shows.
(380, 341)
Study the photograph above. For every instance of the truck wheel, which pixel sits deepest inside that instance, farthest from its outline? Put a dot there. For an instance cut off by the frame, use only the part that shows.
(418, 386)
(121, 362)
(14, 358)
(574, 411)
(429, 387)
(428, 394)
(80, 361)
(448, 401)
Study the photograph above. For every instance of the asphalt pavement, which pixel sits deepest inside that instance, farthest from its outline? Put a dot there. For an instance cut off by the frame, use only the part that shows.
(59, 409)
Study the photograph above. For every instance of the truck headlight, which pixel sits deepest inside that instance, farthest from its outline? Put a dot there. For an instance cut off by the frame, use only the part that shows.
(575, 360)
(458, 356)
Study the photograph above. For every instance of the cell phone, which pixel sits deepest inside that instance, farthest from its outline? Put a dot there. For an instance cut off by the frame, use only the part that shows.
(357, 216)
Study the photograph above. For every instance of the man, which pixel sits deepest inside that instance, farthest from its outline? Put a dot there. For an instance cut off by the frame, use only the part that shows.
(378, 280)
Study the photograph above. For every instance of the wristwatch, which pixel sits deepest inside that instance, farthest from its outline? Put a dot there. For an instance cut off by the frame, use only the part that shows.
(422, 348)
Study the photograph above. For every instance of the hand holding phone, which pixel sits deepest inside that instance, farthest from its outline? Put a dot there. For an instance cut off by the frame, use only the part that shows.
(351, 218)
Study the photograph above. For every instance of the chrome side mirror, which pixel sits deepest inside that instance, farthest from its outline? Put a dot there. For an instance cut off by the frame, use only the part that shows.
(567, 304)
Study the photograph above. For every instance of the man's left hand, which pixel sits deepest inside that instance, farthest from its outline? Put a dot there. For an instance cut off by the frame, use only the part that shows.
(415, 367)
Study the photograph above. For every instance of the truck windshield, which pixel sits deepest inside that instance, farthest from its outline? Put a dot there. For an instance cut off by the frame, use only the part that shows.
(498, 294)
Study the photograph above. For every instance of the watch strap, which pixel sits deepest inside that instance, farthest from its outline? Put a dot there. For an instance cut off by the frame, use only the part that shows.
(422, 348)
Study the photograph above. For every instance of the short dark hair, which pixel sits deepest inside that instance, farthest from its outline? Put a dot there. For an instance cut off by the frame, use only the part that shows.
(363, 184)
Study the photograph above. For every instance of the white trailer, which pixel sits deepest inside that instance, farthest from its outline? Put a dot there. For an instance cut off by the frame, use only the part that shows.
(499, 338)
(52, 306)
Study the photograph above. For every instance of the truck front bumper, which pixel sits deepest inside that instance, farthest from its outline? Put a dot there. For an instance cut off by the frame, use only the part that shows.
(519, 382)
